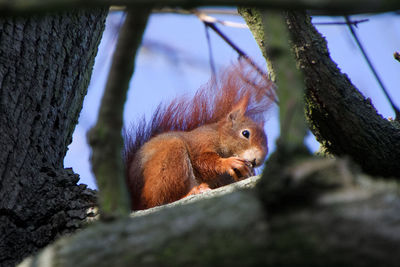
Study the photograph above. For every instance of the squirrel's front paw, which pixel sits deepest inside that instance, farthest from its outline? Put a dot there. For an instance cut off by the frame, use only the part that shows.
(201, 188)
(238, 168)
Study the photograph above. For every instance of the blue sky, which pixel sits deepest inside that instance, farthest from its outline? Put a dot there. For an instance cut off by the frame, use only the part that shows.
(174, 60)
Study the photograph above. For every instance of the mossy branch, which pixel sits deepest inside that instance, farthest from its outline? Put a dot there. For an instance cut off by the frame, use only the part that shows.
(270, 31)
(105, 137)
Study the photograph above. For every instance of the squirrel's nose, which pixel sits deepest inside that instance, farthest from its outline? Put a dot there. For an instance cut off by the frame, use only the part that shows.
(253, 163)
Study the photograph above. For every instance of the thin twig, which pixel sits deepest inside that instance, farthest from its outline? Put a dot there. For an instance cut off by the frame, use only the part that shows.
(117, 8)
(206, 13)
(378, 79)
(396, 56)
(207, 18)
(232, 12)
(241, 53)
(210, 54)
(354, 22)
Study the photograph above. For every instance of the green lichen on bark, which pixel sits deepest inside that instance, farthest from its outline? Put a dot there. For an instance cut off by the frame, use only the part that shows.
(105, 137)
(253, 19)
(270, 31)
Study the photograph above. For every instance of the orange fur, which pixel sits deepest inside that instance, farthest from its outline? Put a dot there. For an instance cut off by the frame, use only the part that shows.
(195, 144)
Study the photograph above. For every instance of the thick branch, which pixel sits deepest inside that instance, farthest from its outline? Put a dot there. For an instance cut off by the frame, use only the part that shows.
(105, 138)
(355, 225)
(338, 6)
(342, 120)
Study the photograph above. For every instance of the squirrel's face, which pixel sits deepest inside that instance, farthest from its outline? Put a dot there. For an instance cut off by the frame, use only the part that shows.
(242, 137)
(256, 149)
(252, 145)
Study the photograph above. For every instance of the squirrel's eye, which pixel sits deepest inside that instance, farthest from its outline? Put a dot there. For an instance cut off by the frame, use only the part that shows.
(246, 133)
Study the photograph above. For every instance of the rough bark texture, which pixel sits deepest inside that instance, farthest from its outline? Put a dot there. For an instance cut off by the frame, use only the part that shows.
(342, 119)
(45, 67)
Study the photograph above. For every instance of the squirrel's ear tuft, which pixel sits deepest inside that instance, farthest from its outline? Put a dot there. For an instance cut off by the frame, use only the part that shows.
(234, 115)
(239, 109)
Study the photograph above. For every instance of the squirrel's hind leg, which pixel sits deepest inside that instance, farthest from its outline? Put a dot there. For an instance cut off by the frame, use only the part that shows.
(168, 173)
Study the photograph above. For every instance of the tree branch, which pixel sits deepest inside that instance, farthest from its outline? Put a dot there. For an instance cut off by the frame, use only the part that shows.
(105, 137)
(352, 22)
(282, 68)
(342, 120)
(328, 7)
(352, 225)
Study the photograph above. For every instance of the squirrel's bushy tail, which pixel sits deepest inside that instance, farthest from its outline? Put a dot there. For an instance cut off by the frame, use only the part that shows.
(211, 103)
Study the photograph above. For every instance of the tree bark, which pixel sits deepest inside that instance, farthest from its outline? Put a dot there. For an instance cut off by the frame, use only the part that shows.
(341, 118)
(353, 225)
(45, 67)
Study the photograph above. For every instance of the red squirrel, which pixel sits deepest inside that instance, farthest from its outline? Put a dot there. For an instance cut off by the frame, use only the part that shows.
(194, 145)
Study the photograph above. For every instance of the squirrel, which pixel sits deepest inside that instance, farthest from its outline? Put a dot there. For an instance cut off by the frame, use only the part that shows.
(195, 145)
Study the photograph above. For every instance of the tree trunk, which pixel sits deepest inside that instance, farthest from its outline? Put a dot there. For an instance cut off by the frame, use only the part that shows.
(45, 67)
